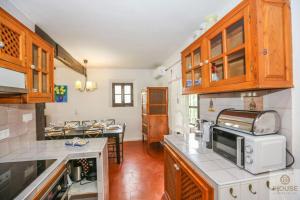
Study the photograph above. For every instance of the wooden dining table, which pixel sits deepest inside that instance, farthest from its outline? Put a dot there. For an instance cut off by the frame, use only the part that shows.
(54, 133)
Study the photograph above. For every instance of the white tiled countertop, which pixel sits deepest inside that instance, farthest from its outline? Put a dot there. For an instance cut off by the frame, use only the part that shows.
(52, 149)
(212, 166)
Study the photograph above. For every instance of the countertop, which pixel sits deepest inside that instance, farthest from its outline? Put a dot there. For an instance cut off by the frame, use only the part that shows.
(216, 169)
(52, 149)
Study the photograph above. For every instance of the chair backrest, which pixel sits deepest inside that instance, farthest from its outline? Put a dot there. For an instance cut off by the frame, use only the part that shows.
(88, 122)
(76, 123)
(110, 122)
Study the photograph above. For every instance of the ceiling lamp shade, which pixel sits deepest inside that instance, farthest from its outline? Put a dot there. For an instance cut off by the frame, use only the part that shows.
(88, 86)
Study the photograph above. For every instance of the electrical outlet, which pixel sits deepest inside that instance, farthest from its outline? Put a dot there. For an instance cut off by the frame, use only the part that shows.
(4, 134)
(27, 117)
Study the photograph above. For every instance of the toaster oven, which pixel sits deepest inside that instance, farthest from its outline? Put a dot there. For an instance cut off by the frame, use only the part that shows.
(256, 154)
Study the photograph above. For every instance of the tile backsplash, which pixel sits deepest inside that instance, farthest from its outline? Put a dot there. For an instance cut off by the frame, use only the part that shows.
(20, 121)
(279, 100)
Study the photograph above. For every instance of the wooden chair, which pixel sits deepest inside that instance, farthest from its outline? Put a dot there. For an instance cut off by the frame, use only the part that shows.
(71, 123)
(76, 123)
(91, 133)
(112, 152)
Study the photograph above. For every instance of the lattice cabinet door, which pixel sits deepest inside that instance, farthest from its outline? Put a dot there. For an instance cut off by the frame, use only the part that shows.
(193, 186)
(12, 43)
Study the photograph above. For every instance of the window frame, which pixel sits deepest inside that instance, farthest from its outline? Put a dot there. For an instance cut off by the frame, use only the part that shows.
(194, 107)
(123, 104)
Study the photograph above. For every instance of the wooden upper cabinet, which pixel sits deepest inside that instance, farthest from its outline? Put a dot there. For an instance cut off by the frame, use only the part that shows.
(274, 42)
(193, 66)
(24, 51)
(40, 69)
(228, 61)
(250, 48)
(12, 43)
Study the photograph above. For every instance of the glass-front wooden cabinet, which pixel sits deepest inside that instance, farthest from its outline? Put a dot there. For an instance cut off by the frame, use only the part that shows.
(40, 70)
(248, 49)
(227, 58)
(24, 51)
(193, 63)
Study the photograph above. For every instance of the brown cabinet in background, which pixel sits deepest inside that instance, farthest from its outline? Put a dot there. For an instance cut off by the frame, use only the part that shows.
(249, 48)
(181, 181)
(155, 113)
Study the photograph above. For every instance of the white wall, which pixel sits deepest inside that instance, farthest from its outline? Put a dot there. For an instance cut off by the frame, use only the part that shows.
(97, 104)
(296, 90)
(11, 9)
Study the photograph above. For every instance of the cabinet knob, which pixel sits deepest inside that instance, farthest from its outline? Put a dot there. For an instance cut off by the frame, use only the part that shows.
(206, 61)
(249, 160)
(231, 193)
(250, 187)
(32, 66)
(201, 64)
(2, 45)
(176, 167)
(248, 149)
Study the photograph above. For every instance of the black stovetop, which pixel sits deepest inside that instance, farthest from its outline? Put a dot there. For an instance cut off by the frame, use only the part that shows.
(16, 176)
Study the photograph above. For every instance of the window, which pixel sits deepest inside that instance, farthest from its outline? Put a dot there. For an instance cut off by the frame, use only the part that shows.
(122, 94)
(193, 108)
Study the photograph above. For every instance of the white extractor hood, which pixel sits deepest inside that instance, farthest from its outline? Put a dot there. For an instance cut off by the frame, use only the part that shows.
(12, 82)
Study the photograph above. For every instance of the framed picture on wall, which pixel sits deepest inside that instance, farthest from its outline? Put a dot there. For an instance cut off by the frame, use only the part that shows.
(61, 93)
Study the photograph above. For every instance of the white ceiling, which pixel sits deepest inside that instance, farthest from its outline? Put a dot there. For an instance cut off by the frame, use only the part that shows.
(120, 33)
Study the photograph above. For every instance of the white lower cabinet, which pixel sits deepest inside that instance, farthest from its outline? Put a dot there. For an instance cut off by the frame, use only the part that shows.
(231, 192)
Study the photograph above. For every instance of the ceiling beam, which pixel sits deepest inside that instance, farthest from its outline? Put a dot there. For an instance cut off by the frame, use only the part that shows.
(60, 53)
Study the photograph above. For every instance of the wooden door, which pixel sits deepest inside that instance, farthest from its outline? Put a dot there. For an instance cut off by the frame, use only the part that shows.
(192, 186)
(181, 182)
(12, 43)
(171, 176)
(40, 70)
(274, 39)
(229, 51)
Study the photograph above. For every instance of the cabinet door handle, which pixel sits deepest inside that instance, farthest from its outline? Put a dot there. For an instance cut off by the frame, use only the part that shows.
(2, 45)
(251, 189)
(231, 193)
(268, 186)
(201, 64)
(176, 167)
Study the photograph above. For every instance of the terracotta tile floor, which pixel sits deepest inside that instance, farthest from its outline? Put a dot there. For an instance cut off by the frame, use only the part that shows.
(140, 176)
